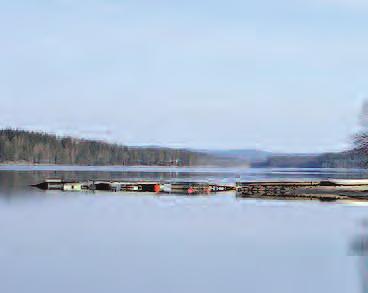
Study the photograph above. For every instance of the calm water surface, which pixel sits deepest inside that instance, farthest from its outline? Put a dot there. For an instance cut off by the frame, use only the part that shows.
(131, 242)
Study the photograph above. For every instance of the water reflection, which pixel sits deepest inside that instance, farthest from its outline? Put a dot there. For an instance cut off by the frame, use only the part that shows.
(360, 248)
(172, 244)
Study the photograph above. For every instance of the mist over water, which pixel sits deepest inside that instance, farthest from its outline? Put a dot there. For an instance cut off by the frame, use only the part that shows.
(55, 241)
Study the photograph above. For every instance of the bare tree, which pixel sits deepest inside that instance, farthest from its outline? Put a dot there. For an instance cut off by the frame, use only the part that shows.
(361, 138)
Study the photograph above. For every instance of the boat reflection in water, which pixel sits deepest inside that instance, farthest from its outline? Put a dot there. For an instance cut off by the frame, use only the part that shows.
(360, 248)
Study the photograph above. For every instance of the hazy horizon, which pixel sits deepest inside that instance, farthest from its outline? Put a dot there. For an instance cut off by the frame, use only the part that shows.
(285, 76)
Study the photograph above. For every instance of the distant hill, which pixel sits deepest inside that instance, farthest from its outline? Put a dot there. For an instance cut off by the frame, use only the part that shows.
(264, 159)
(19, 146)
(347, 159)
(248, 155)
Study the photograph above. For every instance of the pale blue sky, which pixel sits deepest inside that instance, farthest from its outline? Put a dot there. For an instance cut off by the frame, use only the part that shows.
(278, 75)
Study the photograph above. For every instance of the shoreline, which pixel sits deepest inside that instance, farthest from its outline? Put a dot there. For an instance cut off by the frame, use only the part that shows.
(140, 166)
(27, 164)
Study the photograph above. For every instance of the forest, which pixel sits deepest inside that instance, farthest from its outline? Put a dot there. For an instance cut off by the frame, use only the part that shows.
(20, 146)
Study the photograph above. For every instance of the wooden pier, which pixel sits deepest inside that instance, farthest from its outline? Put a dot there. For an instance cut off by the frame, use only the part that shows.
(327, 190)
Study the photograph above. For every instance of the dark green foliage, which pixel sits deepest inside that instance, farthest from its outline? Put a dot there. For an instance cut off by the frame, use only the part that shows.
(42, 148)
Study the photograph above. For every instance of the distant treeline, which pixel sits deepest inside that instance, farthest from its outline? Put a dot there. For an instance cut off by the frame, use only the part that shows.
(20, 146)
(347, 159)
(41, 148)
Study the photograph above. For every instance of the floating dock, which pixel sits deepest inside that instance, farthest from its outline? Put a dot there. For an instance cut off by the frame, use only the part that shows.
(325, 190)
(134, 186)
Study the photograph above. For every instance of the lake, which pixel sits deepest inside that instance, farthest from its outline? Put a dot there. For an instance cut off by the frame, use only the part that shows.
(53, 241)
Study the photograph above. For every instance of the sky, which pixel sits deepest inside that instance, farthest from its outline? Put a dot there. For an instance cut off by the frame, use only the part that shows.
(284, 75)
